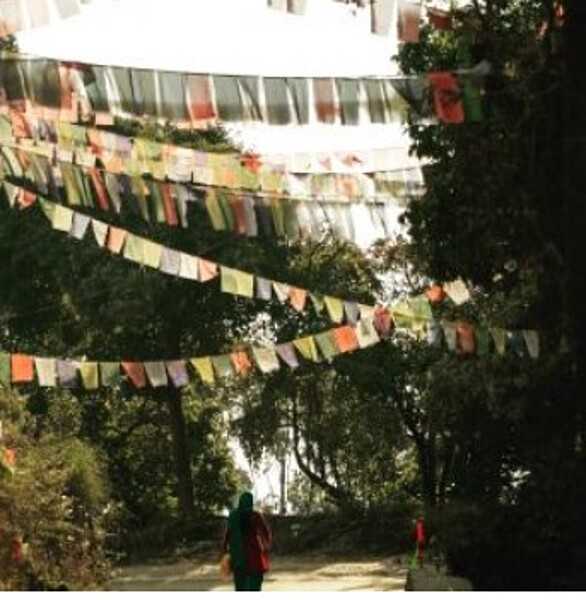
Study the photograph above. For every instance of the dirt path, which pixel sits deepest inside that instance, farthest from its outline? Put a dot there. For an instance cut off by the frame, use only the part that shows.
(307, 573)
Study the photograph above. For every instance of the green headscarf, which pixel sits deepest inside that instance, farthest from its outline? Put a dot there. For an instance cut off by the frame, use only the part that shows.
(237, 555)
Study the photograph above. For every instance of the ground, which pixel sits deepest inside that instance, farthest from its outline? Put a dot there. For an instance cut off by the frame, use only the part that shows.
(288, 573)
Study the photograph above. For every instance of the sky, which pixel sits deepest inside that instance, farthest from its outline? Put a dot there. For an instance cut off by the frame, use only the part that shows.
(237, 37)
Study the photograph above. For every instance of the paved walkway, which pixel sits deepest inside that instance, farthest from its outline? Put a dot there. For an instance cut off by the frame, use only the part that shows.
(315, 573)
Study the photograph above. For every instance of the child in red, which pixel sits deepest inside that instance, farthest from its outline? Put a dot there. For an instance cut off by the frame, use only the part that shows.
(420, 538)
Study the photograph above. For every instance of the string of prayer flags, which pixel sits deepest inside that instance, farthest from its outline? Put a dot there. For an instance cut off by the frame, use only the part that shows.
(73, 92)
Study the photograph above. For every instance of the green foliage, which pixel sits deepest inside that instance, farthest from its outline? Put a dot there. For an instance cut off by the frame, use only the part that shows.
(56, 503)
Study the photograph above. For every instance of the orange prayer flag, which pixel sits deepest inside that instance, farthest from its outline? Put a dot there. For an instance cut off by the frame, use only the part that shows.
(136, 373)
(241, 362)
(298, 298)
(207, 270)
(116, 239)
(22, 368)
(346, 338)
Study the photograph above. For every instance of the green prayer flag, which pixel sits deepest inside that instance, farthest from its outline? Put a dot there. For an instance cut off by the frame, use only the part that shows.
(226, 207)
(71, 185)
(223, 365)
(4, 370)
(327, 345)
(215, 211)
(111, 375)
(472, 100)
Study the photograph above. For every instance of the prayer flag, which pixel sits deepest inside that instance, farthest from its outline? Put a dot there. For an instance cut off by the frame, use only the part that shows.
(157, 374)
(409, 21)
(457, 291)
(266, 359)
(62, 218)
(189, 267)
(22, 368)
(152, 252)
(90, 375)
(281, 291)
(532, 341)
(170, 262)
(100, 230)
(136, 373)
(111, 375)
(307, 348)
(223, 366)
(327, 345)
(207, 270)
(134, 248)
(451, 335)
(264, 290)
(447, 97)
(298, 298)
(287, 354)
(67, 373)
(205, 370)
(335, 308)
(178, 373)
(366, 333)
(466, 338)
(116, 239)
(241, 362)
(237, 282)
(346, 339)
(325, 100)
(46, 371)
(4, 370)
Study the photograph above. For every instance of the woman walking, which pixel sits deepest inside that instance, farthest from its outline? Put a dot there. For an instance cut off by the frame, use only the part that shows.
(248, 540)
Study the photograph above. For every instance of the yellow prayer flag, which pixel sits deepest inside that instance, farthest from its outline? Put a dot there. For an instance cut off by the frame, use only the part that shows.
(89, 375)
(205, 369)
(335, 308)
(237, 282)
(307, 348)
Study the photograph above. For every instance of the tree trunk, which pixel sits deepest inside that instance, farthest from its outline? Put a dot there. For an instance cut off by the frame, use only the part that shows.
(182, 454)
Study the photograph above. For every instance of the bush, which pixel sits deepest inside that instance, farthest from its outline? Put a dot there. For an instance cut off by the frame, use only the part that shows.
(53, 511)
(510, 547)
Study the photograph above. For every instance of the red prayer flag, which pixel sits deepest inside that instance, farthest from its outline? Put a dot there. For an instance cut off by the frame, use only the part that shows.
(447, 97)
(169, 206)
(136, 374)
(101, 193)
